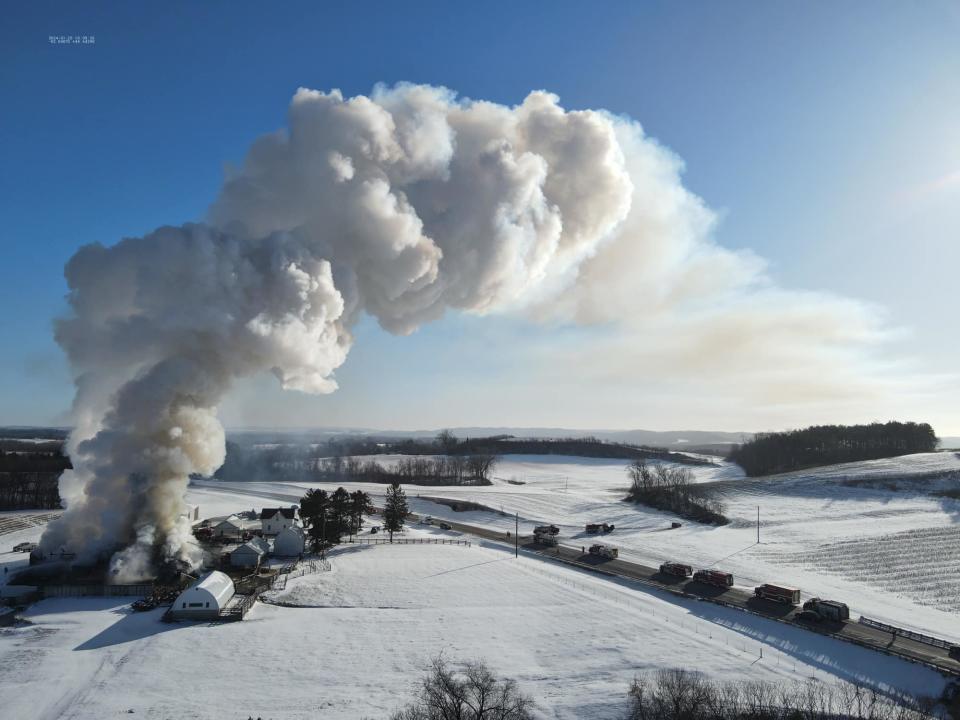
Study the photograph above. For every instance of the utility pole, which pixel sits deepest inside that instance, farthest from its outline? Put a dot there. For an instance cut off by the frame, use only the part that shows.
(758, 524)
(516, 534)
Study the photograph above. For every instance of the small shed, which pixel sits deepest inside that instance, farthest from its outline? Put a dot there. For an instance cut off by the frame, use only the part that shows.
(205, 598)
(248, 555)
(289, 543)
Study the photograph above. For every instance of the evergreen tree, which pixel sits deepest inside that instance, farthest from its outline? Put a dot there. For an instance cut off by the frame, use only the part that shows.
(395, 509)
(313, 505)
(338, 522)
(360, 505)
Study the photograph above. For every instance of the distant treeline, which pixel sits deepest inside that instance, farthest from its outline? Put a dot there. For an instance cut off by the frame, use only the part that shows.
(446, 443)
(29, 490)
(770, 453)
(33, 433)
(455, 460)
(29, 474)
(440, 470)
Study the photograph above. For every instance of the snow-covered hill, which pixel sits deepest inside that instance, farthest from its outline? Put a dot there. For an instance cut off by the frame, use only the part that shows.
(367, 629)
(868, 534)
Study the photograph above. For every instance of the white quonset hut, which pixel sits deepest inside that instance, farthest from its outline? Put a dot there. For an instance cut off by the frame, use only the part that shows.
(289, 543)
(205, 598)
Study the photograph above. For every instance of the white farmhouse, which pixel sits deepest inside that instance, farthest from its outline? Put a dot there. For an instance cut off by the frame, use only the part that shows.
(274, 520)
(289, 542)
(205, 598)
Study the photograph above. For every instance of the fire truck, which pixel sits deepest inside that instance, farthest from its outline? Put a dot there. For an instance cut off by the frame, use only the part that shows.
(546, 530)
(604, 551)
(594, 528)
(714, 577)
(827, 609)
(675, 568)
(543, 536)
(778, 593)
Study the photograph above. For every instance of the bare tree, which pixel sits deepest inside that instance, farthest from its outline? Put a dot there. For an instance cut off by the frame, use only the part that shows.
(447, 441)
(675, 694)
(473, 693)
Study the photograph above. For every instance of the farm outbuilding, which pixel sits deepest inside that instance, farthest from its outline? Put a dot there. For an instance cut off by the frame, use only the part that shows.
(231, 527)
(289, 543)
(248, 555)
(205, 598)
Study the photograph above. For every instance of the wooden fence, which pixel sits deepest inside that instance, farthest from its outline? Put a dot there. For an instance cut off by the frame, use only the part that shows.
(408, 541)
(237, 610)
(305, 567)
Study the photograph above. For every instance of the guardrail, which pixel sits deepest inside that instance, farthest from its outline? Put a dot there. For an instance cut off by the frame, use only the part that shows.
(408, 541)
(910, 634)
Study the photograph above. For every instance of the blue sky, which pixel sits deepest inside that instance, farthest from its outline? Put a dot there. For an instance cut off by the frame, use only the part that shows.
(826, 136)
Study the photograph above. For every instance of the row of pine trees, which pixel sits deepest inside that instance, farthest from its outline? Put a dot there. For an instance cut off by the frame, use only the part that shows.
(329, 516)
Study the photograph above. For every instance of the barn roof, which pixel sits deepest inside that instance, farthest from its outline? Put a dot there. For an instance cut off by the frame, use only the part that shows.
(249, 547)
(288, 512)
(232, 521)
(260, 543)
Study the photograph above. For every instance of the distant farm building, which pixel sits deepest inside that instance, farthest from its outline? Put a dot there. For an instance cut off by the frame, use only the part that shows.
(289, 543)
(191, 513)
(276, 520)
(205, 598)
(231, 527)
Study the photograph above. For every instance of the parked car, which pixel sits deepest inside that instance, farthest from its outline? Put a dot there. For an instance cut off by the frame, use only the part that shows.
(25, 547)
(375, 529)
(445, 526)
(954, 652)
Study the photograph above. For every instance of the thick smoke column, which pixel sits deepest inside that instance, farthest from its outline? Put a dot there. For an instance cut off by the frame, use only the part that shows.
(400, 205)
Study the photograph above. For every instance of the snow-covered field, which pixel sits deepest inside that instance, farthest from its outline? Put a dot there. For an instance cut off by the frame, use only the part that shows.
(833, 532)
(367, 629)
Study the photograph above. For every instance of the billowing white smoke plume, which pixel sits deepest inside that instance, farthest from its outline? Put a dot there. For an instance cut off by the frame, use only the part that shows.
(400, 205)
